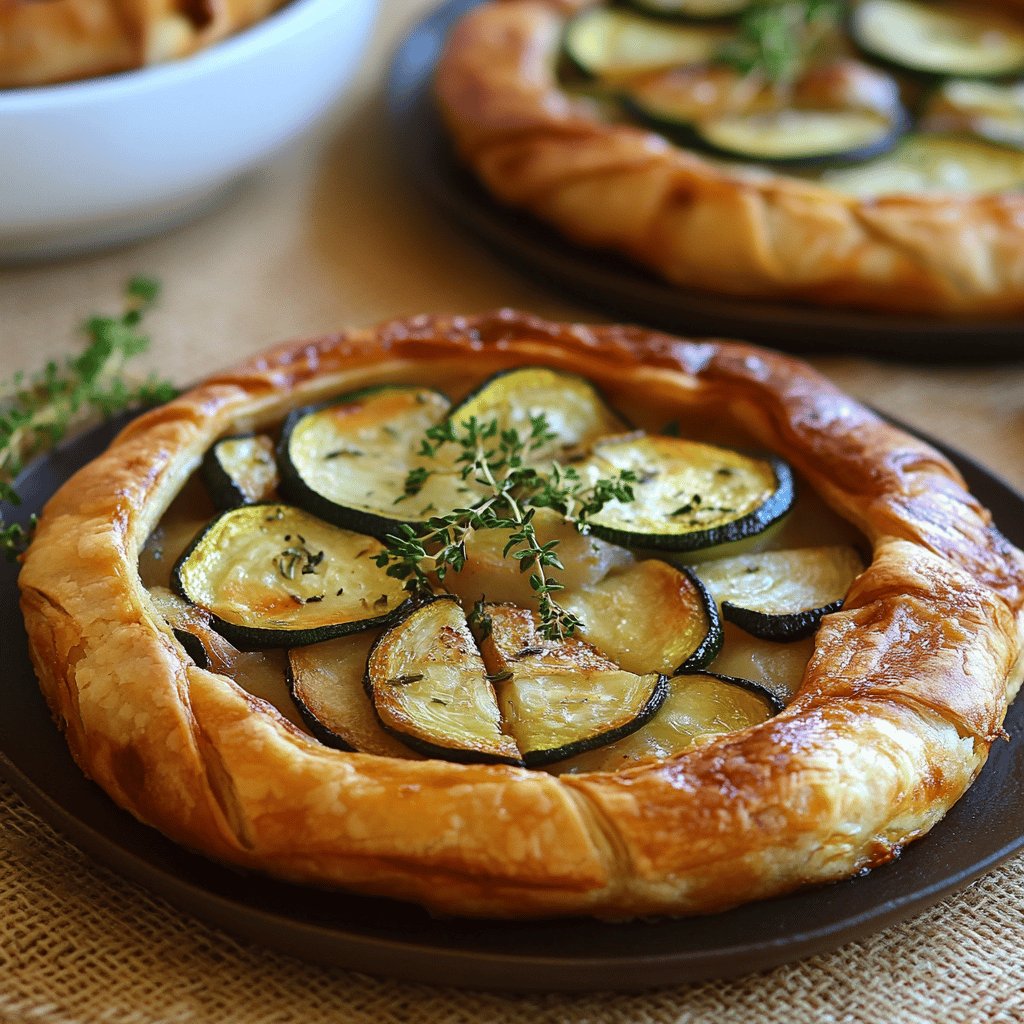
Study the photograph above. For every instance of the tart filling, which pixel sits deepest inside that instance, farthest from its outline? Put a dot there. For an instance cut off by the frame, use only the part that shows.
(699, 85)
(468, 663)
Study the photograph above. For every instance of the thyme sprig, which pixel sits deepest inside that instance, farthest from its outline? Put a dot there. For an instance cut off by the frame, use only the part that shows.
(39, 410)
(511, 490)
(779, 38)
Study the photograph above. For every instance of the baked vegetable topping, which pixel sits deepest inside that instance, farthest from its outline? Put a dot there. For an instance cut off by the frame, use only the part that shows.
(959, 39)
(192, 629)
(935, 164)
(327, 683)
(992, 112)
(372, 667)
(276, 576)
(649, 617)
(348, 461)
(775, 87)
(782, 595)
(430, 688)
(561, 697)
(511, 492)
(610, 43)
(571, 409)
(805, 137)
(688, 495)
(842, 112)
(240, 470)
(778, 667)
(696, 10)
(697, 708)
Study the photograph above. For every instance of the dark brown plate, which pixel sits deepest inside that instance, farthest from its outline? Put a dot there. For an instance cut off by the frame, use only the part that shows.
(388, 938)
(623, 289)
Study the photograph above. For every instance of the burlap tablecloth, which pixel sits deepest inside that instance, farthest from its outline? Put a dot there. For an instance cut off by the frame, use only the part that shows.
(332, 234)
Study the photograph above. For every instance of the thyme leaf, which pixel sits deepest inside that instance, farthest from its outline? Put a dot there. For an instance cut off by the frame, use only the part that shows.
(510, 491)
(38, 410)
(779, 38)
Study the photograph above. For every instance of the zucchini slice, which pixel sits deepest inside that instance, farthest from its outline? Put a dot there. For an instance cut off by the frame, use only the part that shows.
(347, 461)
(991, 112)
(779, 667)
(782, 595)
(240, 470)
(649, 617)
(841, 112)
(560, 698)
(966, 40)
(688, 495)
(615, 44)
(801, 138)
(922, 164)
(326, 682)
(692, 10)
(575, 411)
(698, 707)
(276, 576)
(430, 688)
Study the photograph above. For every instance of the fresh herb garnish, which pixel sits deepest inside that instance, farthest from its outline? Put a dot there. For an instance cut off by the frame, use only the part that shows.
(779, 38)
(405, 680)
(38, 411)
(510, 492)
(298, 558)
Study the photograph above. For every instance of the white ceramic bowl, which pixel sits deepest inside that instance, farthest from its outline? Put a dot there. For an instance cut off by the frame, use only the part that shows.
(105, 160)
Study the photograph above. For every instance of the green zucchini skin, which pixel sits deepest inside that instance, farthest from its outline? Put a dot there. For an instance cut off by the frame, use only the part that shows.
(747, 684)
(540, 758)
(773, 509)
(298, 491)
(223, 488)
(712, 642)
(690, 134)
(782, 595)
(255, 638)
(762, 691)
(780, 628)
(728, 11)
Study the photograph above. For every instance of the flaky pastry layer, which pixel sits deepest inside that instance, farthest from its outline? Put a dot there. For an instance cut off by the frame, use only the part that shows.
(700, 224)
(905, 692)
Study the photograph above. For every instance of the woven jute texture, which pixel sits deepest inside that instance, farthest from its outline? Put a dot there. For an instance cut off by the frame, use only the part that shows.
(79, 944)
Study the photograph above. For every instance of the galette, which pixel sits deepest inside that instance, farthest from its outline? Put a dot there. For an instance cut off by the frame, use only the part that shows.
(515, 618)
(856, 153)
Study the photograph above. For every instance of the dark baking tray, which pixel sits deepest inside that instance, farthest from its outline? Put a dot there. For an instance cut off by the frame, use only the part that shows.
(626, 291)
(401, 941)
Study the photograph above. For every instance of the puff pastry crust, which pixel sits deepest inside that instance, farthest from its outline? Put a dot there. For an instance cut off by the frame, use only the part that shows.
(700, 224)
(905, 692)
(46, 41)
